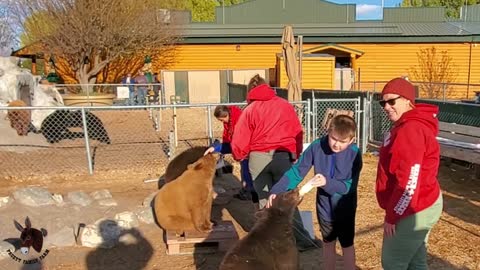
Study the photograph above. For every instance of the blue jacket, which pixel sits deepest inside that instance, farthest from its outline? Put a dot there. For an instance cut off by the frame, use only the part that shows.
(341, 170)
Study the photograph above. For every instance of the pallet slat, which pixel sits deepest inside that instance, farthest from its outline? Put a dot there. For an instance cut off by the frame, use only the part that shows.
(223, 234)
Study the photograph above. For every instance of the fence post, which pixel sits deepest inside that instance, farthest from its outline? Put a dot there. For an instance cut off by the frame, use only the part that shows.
(87, 143)
(171, 145)
(365, 124)
(358, 112)
(210, 128)
(175, 132)
(308, 115)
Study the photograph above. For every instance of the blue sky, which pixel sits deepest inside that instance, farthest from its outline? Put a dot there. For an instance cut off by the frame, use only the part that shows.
(369, 9)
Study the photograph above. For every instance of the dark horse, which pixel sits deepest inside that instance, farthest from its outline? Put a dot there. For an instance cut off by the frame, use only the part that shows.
(30, 237)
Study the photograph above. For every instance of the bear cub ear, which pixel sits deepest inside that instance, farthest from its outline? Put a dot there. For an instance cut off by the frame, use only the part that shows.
(198, 165)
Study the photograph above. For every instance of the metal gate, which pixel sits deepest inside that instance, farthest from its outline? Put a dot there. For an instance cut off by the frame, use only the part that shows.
(322, 106)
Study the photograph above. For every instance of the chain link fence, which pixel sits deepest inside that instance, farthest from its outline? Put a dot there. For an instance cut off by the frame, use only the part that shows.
(111, 138)
(325, 109)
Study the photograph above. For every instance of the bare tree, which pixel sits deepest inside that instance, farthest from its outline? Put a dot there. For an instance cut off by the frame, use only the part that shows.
(434, 71)
(8, 38)
(89, 34)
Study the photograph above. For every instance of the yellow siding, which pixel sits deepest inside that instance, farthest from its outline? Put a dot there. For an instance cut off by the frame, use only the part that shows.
(218, 57)
(317, 73)
(380, 62)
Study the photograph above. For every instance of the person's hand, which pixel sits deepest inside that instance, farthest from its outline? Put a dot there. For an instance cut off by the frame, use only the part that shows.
(270, 200)
(317, 181)
(388, 229)
(209, 150)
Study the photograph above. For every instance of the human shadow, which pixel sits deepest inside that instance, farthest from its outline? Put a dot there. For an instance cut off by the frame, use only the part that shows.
(130, 249)
(461, 194)
(435, 262)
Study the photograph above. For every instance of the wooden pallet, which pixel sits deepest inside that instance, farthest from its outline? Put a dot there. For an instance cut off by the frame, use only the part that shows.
(221, 238)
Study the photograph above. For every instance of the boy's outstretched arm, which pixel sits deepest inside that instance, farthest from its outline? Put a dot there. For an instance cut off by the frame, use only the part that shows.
(297, 172)
(345, 186)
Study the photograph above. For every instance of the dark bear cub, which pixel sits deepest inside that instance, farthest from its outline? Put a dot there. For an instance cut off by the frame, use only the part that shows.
(179, 164)
(270, 244)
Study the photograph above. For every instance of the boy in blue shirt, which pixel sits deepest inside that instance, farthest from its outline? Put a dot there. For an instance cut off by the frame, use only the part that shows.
(337, 163)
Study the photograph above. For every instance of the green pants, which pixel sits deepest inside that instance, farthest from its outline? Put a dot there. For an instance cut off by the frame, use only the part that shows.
(407, 248)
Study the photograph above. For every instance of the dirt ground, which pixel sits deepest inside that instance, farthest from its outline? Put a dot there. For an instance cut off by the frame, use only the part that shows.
(454, 242)
(139, 152)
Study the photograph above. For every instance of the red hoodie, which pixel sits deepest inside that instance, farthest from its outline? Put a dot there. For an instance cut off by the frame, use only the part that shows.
(409, 159)
(267, 123)
(228, 127)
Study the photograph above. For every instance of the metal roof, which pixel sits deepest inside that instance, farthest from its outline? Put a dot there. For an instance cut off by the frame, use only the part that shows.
(262, 21)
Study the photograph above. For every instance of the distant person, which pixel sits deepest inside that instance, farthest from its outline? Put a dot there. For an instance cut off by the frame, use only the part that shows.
(142, 85)
(130, 81)
(407, 187)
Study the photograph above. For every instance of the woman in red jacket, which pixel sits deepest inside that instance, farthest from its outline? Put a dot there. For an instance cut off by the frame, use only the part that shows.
(270, 135)
(407, 187)
(229, 116)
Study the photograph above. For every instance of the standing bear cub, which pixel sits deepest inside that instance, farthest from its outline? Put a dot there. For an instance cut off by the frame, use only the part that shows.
(186, 203)
(270, 244)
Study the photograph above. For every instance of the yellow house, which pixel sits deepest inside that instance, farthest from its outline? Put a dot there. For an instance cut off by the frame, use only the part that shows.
(339, 51)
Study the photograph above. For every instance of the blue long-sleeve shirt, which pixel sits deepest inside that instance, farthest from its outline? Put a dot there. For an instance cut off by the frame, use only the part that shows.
(342, 171)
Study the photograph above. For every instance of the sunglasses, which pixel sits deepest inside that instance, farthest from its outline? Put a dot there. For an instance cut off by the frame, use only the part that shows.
(390, 102)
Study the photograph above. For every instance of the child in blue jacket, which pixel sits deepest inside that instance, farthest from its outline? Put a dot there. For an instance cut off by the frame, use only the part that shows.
(337, 163)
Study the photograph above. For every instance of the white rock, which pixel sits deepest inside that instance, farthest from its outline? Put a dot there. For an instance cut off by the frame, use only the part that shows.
(101, 194)
(145, 215)
(148, 201)
(104, 233)
(107, 202)
(33, 196)
(5, 201)
(126, 220)
(80, 198)
(4, 247)
(58, 198)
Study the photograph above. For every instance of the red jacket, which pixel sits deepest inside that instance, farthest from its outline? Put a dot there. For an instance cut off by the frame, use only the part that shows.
(267, 123)
(228, 128)
(409, 159)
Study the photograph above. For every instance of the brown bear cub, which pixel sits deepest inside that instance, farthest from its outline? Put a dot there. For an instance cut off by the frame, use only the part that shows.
(270, 244)
(19, 119)
(186, 203)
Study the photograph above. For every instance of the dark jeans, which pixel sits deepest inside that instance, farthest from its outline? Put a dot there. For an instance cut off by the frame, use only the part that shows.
(279, 163)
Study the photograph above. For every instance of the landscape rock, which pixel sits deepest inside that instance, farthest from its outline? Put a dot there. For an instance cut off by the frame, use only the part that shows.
(58, 198)
(5, 201)
(101, 194)
(107, 202)
(80, 198)
(148, 201)
(33, 196)
(145, 215)
(104, 234)
(4, 246)
(126, 220)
